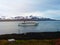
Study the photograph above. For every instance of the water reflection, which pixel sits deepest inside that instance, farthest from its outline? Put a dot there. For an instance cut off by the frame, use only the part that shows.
(24, 29)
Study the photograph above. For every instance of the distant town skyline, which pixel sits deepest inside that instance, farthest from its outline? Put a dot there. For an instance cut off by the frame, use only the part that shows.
(43, 8)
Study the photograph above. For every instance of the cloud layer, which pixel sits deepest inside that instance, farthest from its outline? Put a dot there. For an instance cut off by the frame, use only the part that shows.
(45, 8)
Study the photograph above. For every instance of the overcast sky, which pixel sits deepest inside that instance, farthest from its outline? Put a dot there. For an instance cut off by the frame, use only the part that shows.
(44, 8)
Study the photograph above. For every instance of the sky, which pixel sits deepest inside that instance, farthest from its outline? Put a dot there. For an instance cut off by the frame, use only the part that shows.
(42, 8)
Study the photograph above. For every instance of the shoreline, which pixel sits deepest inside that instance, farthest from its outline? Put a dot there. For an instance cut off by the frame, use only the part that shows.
(32, 35)
(30, 39)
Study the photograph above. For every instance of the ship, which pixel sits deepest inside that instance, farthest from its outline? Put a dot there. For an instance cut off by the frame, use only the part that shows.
(28, 23)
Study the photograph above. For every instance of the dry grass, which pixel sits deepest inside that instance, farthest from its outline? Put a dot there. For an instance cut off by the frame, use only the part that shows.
(27, 42)
(3, 42)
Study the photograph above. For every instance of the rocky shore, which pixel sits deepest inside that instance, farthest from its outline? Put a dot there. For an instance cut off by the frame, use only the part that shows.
(32, 35)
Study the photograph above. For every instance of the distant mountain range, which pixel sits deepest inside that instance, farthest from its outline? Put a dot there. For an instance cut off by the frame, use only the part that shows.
(43, 19)
(46, 19)
(30, 19)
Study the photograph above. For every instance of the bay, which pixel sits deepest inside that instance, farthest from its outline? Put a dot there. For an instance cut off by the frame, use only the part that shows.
(43, 26)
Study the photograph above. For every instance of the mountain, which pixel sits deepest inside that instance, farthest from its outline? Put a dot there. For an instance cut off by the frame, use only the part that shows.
(42, 19)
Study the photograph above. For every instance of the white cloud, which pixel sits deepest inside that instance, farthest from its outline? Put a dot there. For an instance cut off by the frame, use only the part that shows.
(54, 14)
(29, 7)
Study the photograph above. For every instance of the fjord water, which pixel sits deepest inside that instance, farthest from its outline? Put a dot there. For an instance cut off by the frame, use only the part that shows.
(43, 26)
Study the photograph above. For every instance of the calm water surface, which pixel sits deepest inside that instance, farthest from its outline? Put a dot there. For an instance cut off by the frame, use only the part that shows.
(44, 26)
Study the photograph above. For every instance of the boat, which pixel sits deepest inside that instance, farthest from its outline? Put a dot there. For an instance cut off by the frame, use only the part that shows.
(28, 23)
